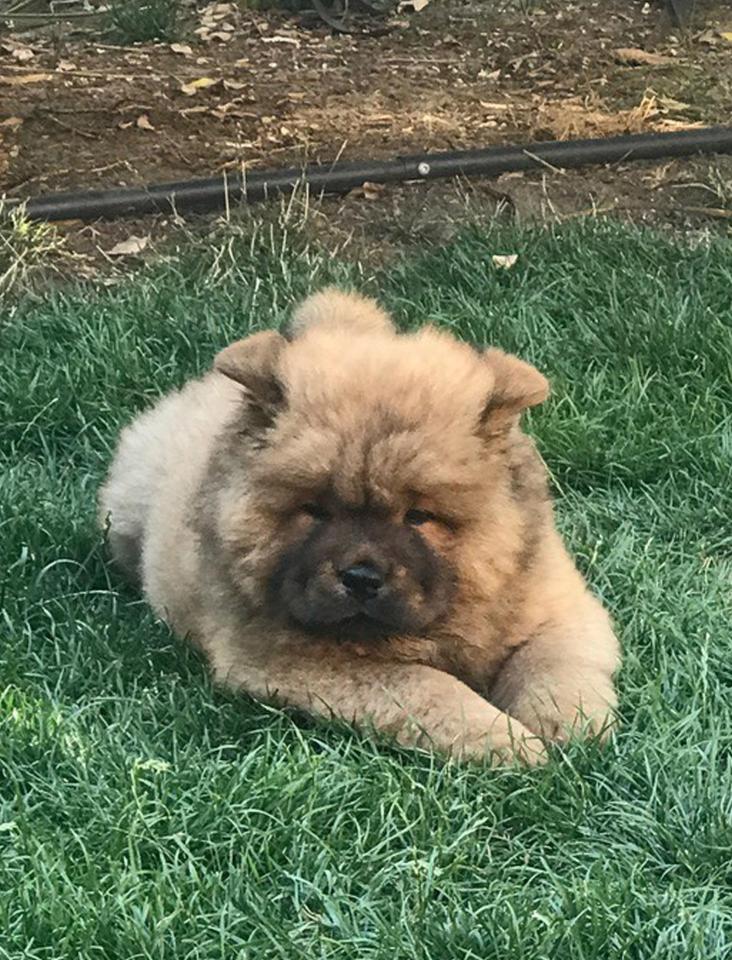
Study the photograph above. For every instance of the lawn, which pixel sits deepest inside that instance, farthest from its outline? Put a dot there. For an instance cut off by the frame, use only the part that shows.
(145, 815)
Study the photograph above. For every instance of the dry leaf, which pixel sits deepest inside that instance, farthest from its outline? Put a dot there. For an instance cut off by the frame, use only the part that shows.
(65, 66)
(129, 247)
(181, 48)
(727, 35)
(18, 51)
(26, 78)
(504, 261)
(22, 54)
(216, 35)
(372, 191)
(368, 190)
(412, 5)
(143, 122)
(635, 57)
(12, 123)
(202, 83)
(710, 37)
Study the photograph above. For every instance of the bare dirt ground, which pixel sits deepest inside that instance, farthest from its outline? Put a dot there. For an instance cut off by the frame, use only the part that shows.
(258, 89)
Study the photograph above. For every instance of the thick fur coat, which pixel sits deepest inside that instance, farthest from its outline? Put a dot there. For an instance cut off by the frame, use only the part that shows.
(351, 522)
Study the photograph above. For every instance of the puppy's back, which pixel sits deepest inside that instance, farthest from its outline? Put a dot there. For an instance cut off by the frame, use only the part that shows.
(158, 465)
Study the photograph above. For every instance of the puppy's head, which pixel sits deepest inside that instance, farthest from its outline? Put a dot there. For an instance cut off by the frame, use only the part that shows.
(375, 462)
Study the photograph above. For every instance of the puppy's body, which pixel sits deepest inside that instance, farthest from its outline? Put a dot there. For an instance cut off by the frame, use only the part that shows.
(352, 522)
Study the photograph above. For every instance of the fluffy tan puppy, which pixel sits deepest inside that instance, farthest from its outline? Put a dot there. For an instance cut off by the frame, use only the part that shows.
(351, 522)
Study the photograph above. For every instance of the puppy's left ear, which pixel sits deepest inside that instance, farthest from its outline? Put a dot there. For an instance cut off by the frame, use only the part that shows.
(254, 363)
(517, 385)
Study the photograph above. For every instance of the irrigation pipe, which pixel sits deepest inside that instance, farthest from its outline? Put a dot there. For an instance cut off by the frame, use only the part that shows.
(338, 178)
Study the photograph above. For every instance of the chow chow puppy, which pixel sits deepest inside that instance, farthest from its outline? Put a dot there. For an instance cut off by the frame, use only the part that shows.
(350, 521)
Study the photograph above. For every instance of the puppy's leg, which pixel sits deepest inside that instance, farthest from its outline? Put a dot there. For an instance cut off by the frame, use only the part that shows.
(560, 682)
(418, 705)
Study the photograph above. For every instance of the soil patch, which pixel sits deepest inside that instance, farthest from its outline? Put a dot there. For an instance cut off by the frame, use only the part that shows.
(76, 113)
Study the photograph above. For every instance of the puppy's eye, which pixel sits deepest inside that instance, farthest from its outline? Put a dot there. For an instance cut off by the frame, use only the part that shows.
(315, 511)
(417, 518)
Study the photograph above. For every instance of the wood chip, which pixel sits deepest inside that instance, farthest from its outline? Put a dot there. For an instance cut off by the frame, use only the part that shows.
(280, 39)
(26, 78)
(202, 83)
(130, 247)
(504, 261)
(368, 190)
(635, 57)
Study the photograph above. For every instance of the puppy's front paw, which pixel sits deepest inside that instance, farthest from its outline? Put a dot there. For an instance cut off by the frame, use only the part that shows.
(560, 718)
(508, 742)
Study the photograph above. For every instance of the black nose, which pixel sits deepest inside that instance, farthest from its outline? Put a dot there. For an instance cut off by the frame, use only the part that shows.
(362, 581)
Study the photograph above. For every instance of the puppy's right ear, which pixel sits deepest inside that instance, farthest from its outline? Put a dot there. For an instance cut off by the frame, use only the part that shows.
(254, 363)
(516, 386)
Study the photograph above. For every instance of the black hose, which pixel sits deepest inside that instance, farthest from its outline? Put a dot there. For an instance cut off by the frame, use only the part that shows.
(338, 178)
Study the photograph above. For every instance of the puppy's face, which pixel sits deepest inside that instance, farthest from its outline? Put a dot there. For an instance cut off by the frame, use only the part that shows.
(363, 569)
(367, 463)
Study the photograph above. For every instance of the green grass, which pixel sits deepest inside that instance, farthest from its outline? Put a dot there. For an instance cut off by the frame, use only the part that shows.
(144, 815)
(27, 250)
(139, 21)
